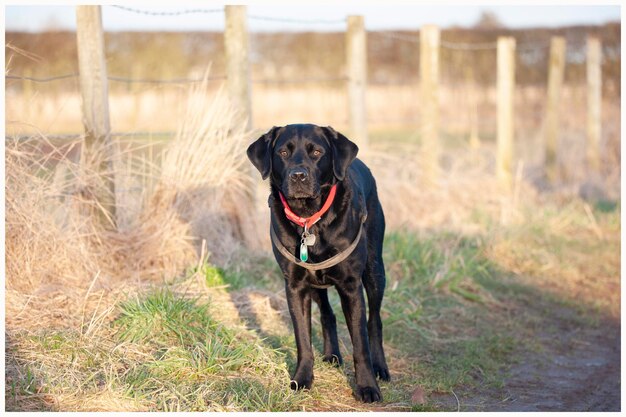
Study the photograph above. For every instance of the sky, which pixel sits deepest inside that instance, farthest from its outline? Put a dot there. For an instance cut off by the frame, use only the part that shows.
(377, 16)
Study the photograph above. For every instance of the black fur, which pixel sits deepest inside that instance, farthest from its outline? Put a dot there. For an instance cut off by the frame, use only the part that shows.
(288, 155)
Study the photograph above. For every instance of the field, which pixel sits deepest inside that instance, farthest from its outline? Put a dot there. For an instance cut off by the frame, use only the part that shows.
(494, 301)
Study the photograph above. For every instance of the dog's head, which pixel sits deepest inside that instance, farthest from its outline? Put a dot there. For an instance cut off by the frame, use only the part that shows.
(301, 158)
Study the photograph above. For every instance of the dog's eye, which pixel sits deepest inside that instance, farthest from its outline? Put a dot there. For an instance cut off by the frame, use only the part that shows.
(317, 152)
(283, 153)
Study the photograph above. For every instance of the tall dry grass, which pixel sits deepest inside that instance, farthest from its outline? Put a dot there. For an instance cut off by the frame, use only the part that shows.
(65, 266)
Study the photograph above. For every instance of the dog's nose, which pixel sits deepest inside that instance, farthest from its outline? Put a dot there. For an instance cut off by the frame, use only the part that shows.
(298, 174)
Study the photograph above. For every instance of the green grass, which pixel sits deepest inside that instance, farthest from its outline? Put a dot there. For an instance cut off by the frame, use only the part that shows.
(437, 311)
(458, 311)
(193, 358)
(259, 272)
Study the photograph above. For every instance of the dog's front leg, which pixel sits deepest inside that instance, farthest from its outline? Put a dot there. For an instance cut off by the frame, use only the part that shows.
(299, 302)
(353, 305)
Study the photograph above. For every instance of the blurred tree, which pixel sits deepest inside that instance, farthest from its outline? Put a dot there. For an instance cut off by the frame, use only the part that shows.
(488, 20)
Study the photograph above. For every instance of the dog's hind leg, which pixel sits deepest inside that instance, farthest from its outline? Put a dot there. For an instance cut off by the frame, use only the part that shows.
(329, 327)
(374, 283)
(299, 303)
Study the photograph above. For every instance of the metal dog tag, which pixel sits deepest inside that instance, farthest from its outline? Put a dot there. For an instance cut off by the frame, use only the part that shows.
(309, 239)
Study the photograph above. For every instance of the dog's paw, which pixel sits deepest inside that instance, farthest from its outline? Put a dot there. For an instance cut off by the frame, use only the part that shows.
(368, 394)
(333, 359)
(298, 385)
(302, 380)
(382, 372)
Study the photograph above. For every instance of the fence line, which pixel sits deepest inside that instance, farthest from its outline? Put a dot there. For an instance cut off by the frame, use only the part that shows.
(300, 80)
(168, 81)
(505, 85)
(179, 13)
(42, 80)
(254, 17)
(119, 79)
(82, 135)
(183, 80)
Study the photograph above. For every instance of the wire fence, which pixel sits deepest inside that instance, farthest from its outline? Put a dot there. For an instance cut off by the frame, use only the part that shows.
(77, 136)
(175, 13)
(402, 37)
(182, 80)
(462, 61)
(250, 16)
(118, 79)
(524, 47)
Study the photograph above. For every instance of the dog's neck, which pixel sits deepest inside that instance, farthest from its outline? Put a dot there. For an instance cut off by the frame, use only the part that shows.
(306, 207)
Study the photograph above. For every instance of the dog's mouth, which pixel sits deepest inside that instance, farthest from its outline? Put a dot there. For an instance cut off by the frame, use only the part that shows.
(302, 196)
(300, 191)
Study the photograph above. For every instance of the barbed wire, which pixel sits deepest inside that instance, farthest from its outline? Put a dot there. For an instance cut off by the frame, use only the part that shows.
(48, 136)
(520, 46)
(82, 135)
(254, 17)
(120, 79)
(41, 80)
(186, 80)
(168, 81)
(178, 13)
(300, 80)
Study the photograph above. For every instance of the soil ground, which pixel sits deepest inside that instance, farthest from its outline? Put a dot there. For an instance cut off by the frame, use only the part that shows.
(577, 369)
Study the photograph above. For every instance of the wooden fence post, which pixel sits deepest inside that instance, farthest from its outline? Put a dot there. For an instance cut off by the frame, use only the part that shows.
(237, 61)
(356, 50)
(594, 103)
(506, 87)
(238, 84)
(99, 147)
(470, 80)
(556, 69)
(429, 103)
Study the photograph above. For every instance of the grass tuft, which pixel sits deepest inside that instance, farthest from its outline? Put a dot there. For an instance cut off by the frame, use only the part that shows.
(195, 361)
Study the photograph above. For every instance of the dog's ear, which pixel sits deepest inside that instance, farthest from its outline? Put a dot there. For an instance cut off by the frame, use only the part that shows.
(260, 152)
(343, 151)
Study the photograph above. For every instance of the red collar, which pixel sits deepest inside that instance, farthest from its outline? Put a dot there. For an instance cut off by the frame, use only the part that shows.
(310, 221)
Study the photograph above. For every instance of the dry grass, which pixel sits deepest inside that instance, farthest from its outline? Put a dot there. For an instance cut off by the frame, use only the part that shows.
(460, 199)
(58, 251)
(67, 271)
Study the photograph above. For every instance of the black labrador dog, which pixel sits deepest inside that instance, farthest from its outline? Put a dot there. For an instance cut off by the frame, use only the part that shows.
(327, 228)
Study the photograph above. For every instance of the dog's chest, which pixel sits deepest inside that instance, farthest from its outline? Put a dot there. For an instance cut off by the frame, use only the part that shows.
(319, 279)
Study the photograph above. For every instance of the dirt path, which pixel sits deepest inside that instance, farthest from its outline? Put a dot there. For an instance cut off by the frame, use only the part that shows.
(575, 368)
(578, 371)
